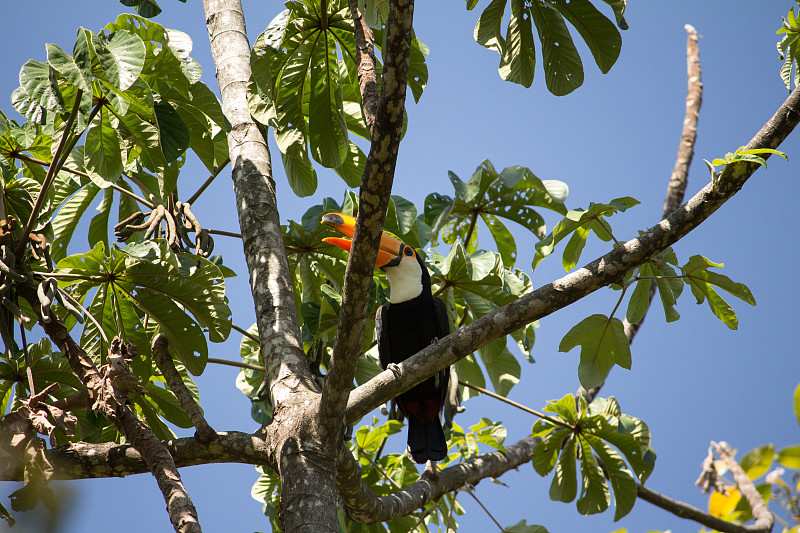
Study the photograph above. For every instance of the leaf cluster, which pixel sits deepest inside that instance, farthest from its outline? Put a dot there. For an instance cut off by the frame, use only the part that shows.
(563, 69)
(305, 86)
(606, 445)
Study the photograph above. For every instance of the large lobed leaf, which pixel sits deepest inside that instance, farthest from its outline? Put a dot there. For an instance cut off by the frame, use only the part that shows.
(562, 64)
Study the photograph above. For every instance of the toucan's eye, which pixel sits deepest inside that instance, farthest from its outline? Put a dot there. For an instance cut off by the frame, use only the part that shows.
(408, 251)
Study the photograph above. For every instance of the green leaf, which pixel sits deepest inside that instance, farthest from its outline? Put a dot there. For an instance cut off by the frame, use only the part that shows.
(564, 486)
(603, 343)
(701, 282)
(326, 123)
(518, 59)
(545, 454)
(102, 152)
(756, 462)
(523, 527)
(797, 403)
(67, 219)
(98, 227)
(597, 31)
(789, 457)
(487, 31)
(146, 8)
(301, 174)
(594, 489)
(39, 84)
(563, 70)
(622, 481)
(66, 66)
(565, 408)
(121, 57)
(640, 298)
(173, 132)
(167, 405)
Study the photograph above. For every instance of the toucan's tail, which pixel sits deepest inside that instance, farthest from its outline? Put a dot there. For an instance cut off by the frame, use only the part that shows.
(426, 442)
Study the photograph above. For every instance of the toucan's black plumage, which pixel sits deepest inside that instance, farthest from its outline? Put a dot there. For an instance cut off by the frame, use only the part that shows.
(410, 322)
(403, 329)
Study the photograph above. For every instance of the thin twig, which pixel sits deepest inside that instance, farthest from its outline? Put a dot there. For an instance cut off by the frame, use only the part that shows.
(224, 233)
(246, 333)
(208, 181)
(52, 171)
(485, 510)
(543, 416)
(161, 356)
(236, 364)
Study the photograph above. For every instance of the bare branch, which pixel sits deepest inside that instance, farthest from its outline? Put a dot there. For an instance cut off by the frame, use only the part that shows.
(684, 510)
(163, 360)
(760, 510)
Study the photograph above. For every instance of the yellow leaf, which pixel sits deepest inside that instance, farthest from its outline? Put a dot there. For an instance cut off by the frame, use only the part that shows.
(720, 505)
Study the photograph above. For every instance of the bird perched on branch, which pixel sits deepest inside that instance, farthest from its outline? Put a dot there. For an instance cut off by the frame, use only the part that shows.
(410, 322)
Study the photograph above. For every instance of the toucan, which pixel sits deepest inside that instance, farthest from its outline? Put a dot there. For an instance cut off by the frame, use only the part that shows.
(411, 321)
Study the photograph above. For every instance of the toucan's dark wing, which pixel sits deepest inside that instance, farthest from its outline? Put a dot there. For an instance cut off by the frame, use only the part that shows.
(442, 321)
(382, 333)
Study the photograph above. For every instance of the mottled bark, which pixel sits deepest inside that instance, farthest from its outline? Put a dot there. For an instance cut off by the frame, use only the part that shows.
(85, 460)
(308, 496)
(365, 65)
(163, 360)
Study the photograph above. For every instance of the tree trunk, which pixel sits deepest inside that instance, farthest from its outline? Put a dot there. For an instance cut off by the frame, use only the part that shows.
(307, 471)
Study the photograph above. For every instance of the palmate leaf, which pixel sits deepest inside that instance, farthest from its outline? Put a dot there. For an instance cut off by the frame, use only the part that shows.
(602, 435)
(562, 63)
(603, 343)
(305, 86)
(164, 286)
(513, 194)
(481, 284)
(702, 282)
(578, 223)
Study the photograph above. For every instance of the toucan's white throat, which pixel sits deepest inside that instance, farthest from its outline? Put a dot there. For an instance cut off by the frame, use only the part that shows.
(405, 280)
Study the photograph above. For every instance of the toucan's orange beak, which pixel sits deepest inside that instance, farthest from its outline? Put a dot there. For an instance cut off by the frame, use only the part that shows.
(389, 251)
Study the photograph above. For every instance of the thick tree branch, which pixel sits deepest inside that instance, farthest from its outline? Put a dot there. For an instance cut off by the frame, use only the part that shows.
(364, 506)
(376, 186)
(305, 466)
(605, 270)
(270, 277)
(83, 460)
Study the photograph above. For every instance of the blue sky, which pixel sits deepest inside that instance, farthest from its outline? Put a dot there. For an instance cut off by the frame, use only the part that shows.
(692, 381)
